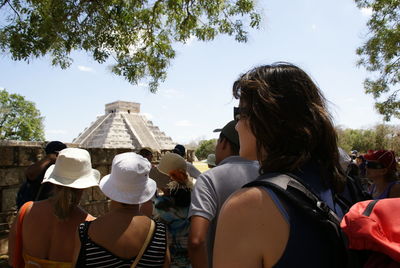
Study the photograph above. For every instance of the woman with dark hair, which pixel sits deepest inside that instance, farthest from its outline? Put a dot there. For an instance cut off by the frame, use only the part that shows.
(173, 207)
(48, 226)
(382, 171)
(283, 122)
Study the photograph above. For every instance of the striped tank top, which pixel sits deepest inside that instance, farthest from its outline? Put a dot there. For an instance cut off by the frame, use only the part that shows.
(93, 255)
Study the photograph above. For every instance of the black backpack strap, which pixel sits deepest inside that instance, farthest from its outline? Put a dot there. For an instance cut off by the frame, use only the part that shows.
(299, 195)
(292, 188)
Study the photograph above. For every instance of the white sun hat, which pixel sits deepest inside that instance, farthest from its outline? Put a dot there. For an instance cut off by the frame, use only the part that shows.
(73, 168)
(129, 181)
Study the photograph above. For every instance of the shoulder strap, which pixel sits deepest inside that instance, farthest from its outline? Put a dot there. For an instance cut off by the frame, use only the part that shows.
(298, 194)
(83, 231)
(145, 244)
(18, 260)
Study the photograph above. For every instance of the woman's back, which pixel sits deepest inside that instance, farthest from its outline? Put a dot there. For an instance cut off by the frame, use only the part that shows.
(116, 239)
(47, 237)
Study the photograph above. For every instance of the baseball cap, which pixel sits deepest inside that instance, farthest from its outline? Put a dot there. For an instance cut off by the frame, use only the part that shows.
(180, 149)
(384, 157)
(54, 147)
(230, 132)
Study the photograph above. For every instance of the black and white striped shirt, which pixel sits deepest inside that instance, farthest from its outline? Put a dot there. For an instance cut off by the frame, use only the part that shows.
(93, 255)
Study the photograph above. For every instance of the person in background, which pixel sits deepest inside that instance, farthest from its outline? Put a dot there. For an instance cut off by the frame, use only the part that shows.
(173, 207)
(147, 153)
(191, 169)
(211, 190)
(283, 122)
(33, 189)
(382, 171)
(211, 160)
(49, 226)
(116, 238)
(361, 163)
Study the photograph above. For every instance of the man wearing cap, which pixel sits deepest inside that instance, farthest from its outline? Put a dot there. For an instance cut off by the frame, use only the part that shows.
(191, 169)
(33, 189)
(211, 190)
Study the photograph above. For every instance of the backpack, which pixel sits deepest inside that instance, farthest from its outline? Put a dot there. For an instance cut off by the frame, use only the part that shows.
(354, 192)
(374, 225)
(291, 188)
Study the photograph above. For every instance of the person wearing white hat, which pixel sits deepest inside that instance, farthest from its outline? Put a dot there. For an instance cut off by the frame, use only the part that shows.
(48, 226)
(173, 207)
(125, 236)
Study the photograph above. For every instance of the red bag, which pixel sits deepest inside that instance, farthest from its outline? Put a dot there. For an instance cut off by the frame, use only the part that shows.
(374, 225)
(18, 260)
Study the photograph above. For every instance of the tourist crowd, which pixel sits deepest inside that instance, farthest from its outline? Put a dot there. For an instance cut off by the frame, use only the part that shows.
(171, 215)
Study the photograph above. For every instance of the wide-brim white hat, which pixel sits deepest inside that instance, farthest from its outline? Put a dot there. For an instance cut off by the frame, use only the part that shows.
(129, 181)
(73, 168)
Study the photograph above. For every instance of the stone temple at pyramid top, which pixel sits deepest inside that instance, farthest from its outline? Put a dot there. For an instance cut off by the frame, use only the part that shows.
(122, 126)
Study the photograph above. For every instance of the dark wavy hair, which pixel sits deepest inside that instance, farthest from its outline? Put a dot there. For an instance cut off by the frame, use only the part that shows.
(288, 116)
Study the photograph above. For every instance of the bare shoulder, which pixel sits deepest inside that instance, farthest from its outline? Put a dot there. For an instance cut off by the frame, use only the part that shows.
(247, 198)
(252, 203)
(253, 228)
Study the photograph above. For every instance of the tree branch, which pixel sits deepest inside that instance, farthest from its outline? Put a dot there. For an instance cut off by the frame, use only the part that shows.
(3, 4)
(12, 7)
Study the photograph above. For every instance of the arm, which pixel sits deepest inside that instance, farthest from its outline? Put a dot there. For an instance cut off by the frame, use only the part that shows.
(251, 231)
(33, 171)
(197, 241)
(203, 209)
(77, 248)
(13, 232)
(167, 260)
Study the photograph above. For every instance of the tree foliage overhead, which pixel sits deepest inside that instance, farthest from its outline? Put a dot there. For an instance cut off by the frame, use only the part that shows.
(381, 55)
(19, 118)
(137, 34)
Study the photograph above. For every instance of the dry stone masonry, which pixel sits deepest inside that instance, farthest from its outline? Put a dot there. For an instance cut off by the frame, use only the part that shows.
(15, 157)
(122, 126)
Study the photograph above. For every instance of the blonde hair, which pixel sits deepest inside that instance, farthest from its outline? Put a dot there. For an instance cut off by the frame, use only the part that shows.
(65, 199)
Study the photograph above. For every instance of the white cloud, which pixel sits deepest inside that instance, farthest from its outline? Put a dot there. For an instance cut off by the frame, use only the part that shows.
(184, 123)
(366, 11)
(85, 69)
(56, 131)
(313, 27)
(171, 93)
(349, 100)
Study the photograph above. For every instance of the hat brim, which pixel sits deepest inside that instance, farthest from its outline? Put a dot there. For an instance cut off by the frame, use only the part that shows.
(110, 190)
(90, 180)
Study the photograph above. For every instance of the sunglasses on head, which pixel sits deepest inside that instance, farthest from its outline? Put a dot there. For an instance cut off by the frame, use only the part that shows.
(239, 113)
(374, 165)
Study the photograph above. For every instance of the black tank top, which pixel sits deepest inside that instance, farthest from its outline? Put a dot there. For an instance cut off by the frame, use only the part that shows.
(93, 255)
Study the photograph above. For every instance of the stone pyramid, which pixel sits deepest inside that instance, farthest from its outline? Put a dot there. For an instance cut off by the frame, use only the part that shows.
(122, 126)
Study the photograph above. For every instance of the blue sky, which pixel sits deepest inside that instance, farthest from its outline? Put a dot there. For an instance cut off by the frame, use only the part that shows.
(319, 36)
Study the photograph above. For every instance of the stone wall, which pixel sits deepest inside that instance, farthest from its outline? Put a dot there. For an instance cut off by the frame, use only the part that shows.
(15, 157)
